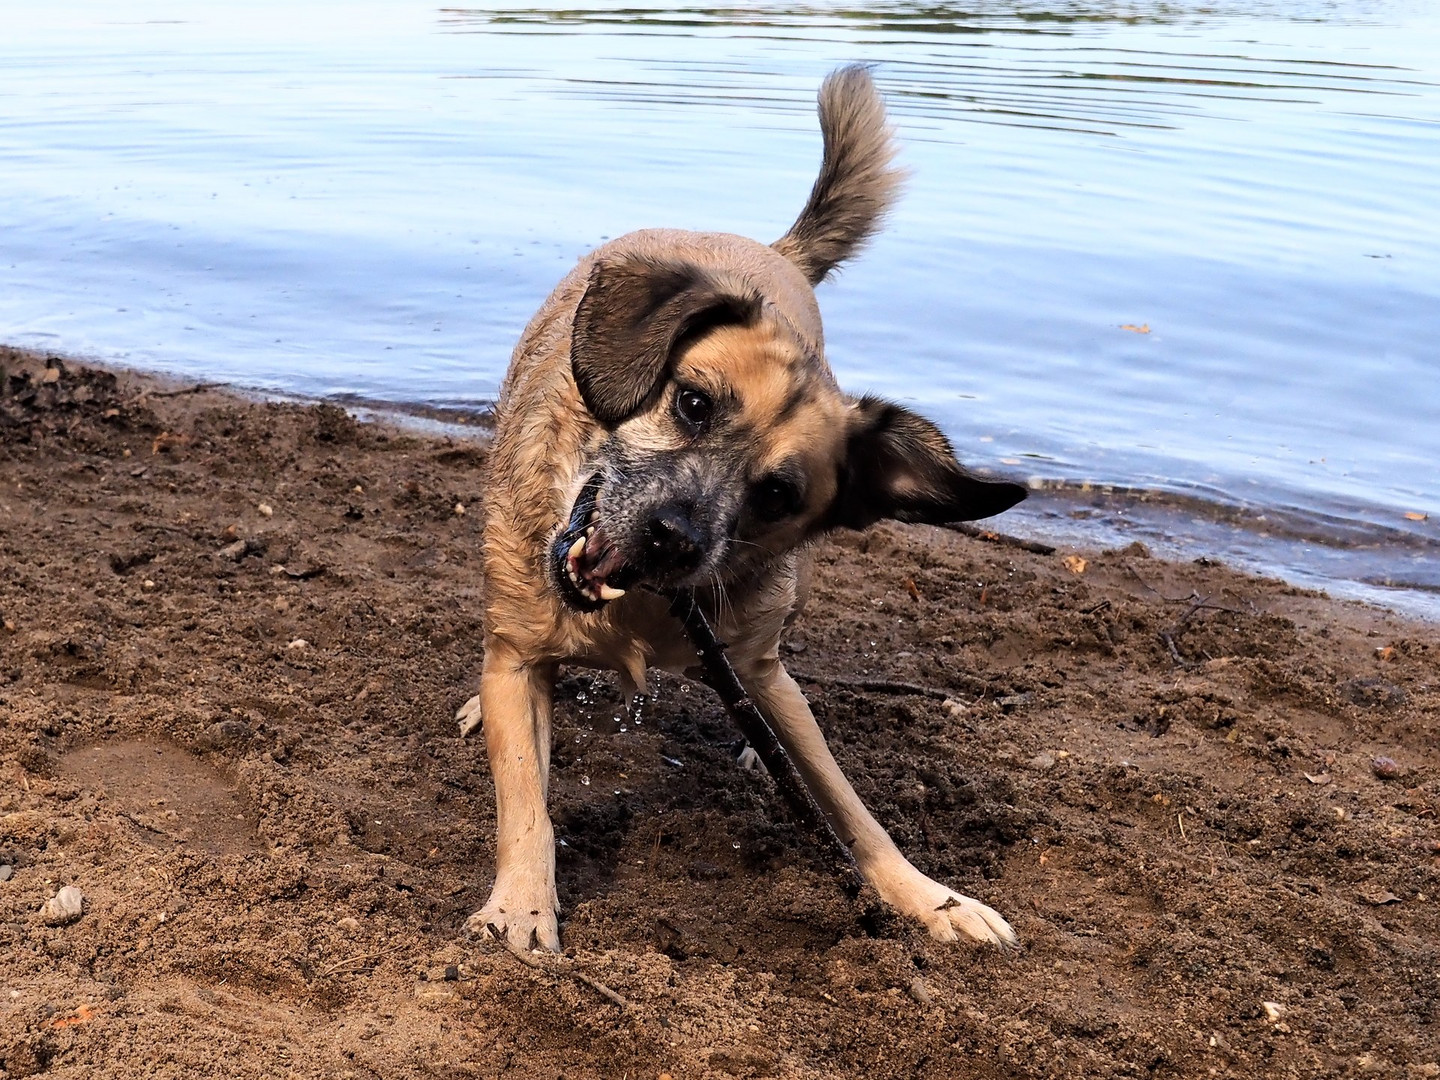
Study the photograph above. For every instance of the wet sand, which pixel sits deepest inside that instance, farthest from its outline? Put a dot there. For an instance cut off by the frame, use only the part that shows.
(234, 637)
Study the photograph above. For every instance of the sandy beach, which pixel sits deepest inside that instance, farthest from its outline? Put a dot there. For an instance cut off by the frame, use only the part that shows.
(235, 634)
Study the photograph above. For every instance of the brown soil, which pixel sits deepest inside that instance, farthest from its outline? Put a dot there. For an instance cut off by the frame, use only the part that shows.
(234, 638)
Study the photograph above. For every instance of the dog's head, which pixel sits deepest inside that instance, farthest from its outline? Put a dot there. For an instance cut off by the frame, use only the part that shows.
(726, 442)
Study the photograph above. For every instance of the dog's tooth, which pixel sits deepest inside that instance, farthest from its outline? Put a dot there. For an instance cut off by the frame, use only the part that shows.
(609, 593)
(576, 548)
(574, 577)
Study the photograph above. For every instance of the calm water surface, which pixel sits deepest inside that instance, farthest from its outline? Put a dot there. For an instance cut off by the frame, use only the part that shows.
(370, 199)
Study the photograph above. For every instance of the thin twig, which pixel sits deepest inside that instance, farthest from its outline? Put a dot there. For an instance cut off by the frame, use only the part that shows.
(198, 388)
(1005, 540)
(721, 677)
(353, 964)
(1202, 606)
(530, 961)
(900, 689)
(878, 686)
(1168, 637)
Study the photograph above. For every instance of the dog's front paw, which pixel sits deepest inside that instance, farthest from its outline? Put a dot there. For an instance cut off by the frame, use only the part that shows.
(945, 913)
(468, 717)
(526, 918)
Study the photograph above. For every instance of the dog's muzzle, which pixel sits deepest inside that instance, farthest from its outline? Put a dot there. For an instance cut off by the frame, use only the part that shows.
(589, 569)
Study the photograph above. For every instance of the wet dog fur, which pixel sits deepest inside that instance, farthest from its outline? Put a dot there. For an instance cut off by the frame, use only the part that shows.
(669, 419)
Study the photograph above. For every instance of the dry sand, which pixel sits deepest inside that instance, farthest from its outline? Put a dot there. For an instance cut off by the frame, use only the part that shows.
(235, 633)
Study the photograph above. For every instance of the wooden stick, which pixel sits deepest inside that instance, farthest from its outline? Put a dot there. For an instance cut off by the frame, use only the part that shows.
(555, 970)
(720, 676)
(1003, 539)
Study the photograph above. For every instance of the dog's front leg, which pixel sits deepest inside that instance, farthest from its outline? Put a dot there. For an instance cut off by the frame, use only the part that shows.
(946, 913)
(515, 700)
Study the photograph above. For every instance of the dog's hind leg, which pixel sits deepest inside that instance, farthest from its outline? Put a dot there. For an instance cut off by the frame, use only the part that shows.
(515, 701)
(946, 913)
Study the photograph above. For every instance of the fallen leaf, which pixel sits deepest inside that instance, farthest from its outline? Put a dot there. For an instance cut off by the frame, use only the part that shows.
(82, 1015)
(1143, 328)
(1379, 898)
(1075, 564)
(1385, 654)
(1411, 515)
(1319, 778)
(165, 440)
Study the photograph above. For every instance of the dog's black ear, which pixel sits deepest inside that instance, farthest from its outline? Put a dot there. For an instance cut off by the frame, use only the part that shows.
(898, 465)
(633, 313)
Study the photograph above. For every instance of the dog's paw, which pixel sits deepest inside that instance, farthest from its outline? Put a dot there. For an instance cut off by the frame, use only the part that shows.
(947, 914)
(522, 925)
(469, 716)
(749, 760)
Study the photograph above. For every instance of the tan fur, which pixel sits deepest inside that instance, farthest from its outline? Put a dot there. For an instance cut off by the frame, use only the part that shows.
(778, 408)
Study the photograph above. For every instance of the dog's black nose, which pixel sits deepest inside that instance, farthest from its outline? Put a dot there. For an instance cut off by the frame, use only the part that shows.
(672, 539)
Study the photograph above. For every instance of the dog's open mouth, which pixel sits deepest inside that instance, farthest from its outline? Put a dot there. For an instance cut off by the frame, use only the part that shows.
(589, 569)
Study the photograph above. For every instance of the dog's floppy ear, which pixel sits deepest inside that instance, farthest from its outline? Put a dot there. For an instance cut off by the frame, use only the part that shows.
(898, 465)
(633, 313)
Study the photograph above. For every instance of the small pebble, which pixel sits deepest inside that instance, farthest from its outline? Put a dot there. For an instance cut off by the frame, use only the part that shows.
(920, 991)
(1273, 1010)
(234, 551)
(451, 973)
(459, 509)
(64, 907)
(348, 923)
(6, 872)
(266, 510)
(224, 732)
(1385, 768)
(298, 643)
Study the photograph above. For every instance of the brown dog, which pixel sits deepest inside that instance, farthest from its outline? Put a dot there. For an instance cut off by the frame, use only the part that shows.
(669, 419)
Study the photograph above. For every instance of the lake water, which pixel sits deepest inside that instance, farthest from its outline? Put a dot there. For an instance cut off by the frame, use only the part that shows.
(1190, 251)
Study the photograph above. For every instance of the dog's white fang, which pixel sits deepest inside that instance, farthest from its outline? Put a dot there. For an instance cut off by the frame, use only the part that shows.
(609, 593)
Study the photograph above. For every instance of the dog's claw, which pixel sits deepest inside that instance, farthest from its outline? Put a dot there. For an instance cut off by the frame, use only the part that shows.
(948, 915)
(527, 929)
(963, 915)
(469, 717)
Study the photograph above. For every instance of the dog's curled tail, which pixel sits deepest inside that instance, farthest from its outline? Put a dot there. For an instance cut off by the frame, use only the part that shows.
(856, 184)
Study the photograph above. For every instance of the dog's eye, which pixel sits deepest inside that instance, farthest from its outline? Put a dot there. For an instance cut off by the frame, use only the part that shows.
(693, 408)
(774, 498)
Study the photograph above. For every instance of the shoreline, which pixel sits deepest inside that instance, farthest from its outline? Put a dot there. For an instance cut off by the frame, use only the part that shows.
(233, 636)
(1360, 558)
